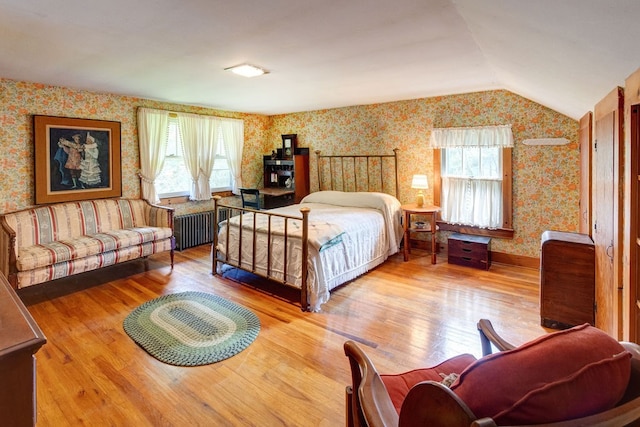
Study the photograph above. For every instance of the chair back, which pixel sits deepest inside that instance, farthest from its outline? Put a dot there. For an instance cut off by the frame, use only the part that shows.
(250, 198)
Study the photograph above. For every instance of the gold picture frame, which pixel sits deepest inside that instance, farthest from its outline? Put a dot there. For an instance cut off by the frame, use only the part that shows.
(76, 159)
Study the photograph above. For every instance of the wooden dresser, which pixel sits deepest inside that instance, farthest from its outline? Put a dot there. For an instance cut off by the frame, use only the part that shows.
(470, 251)
(567, 279)
(20, 339)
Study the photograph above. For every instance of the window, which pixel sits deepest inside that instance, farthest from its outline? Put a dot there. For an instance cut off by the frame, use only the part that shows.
(473, 179)
(175, 180)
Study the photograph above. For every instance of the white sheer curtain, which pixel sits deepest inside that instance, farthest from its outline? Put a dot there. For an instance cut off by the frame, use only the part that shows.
(233, 137)
(188, 125)
(199, 134)
(152, 137)
(475, 202)
(472, 200)
(207, 156)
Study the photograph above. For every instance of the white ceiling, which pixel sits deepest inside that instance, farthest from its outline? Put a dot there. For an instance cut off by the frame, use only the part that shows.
(564, 54)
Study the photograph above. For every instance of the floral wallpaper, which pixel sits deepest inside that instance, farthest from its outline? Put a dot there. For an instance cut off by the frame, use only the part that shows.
(545, 178)
(19, 101)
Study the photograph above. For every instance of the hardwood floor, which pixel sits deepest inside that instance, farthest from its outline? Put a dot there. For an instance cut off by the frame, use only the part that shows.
(405, 314)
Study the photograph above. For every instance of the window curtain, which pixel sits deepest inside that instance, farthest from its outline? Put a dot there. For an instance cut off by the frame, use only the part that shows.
(152, 138)
(481, 136)
(199, 134)
(475, 201)
(233, 138)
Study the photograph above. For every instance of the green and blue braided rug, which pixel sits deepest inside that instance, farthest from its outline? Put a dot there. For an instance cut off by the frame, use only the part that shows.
(192, 328)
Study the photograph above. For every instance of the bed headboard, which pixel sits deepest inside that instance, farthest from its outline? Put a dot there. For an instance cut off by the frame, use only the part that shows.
(358, 172)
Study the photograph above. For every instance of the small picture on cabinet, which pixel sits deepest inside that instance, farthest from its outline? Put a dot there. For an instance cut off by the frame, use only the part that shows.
(289, 144)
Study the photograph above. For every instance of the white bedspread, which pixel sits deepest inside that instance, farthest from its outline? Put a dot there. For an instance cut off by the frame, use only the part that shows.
(349, 234)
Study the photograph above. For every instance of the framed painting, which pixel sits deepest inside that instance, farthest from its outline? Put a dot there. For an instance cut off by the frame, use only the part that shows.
(76, 159)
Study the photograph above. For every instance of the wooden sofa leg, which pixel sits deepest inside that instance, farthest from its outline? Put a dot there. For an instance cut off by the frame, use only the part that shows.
(173, 247)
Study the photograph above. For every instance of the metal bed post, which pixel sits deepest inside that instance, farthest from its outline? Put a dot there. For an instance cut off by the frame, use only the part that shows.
(395, 167)
(318, 170)
(214, 248)
(304, 291)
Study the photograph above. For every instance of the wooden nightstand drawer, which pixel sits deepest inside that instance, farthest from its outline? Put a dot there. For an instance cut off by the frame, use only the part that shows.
(470, 251)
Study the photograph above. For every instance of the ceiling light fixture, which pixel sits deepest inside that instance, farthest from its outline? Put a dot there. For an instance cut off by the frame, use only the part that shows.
(247, 70)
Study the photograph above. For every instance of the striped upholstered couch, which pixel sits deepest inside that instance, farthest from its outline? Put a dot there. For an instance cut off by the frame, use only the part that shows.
(44, 243)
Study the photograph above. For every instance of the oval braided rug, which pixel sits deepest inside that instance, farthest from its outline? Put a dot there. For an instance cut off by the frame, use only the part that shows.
(192, 328)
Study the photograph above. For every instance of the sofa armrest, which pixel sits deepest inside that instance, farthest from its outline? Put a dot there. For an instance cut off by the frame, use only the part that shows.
(8, 255)
(160, 216)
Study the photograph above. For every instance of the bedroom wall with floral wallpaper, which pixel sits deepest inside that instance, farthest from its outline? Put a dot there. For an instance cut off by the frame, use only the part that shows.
(19, 101)
(545, 178)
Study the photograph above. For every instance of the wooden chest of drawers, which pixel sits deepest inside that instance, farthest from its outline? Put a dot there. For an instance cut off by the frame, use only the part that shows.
(470, 251)
(567, 279)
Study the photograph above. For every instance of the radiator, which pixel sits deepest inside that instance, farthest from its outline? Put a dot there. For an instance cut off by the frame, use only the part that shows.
(194, 229)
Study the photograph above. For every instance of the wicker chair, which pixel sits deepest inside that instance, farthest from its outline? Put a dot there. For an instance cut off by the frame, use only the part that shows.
(430, 403)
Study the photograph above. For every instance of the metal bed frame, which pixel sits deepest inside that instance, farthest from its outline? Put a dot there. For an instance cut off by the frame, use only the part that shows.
(334, 163)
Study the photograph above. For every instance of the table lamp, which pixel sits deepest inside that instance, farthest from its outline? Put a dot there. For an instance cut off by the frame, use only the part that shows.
(420, 183)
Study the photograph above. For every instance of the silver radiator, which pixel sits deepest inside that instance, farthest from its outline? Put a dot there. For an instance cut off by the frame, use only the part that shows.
(194, 229)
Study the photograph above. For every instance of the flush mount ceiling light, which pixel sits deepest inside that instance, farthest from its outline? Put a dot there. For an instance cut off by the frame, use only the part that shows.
(247, 70)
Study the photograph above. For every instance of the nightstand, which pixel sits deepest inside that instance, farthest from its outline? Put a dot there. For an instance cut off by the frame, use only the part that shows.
(427, 210)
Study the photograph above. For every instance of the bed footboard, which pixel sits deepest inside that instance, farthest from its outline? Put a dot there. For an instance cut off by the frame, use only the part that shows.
(223, 212)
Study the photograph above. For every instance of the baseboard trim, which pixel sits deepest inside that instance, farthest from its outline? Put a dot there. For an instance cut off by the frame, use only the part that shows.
(519, 260)
(499, 257)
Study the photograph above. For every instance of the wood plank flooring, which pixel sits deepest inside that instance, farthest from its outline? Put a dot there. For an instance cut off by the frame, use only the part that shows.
(405, 314)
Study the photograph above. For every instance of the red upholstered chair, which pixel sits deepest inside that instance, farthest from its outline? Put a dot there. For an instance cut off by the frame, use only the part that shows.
(576, 377)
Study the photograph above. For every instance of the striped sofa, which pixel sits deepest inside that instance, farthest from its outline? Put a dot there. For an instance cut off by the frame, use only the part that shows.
(44, 243)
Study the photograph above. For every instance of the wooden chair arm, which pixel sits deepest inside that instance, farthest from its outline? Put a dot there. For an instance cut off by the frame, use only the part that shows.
(489, 336)
(430, 403)
(370, 404)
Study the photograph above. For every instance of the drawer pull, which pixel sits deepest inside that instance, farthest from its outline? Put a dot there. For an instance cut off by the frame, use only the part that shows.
(466, 250)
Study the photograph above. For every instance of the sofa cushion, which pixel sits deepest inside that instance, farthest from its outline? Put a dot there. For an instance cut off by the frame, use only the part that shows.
(92, 262)
(399, 385)
(559, 376)
(37, 256)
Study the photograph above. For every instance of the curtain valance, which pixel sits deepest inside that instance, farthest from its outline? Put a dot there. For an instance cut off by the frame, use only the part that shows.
(480, 136)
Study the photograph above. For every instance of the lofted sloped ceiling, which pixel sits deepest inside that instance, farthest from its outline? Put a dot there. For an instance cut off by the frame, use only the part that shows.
(564, 54)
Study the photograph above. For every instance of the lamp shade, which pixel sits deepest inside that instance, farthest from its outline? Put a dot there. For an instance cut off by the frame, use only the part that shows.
(419, 182)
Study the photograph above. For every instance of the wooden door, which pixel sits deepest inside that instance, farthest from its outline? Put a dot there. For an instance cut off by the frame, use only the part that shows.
(607, 209)
(584, 139)
(631, 258)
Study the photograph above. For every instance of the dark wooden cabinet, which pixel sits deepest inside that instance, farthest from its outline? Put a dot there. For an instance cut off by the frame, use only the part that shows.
(567, 279)
(470, 251)
(286, 181)
(20, 339)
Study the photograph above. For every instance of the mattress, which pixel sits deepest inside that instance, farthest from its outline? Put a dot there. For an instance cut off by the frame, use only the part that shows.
(349, 234)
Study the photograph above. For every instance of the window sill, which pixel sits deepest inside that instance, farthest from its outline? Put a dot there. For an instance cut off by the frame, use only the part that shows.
(168, 201)
(502, 233)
